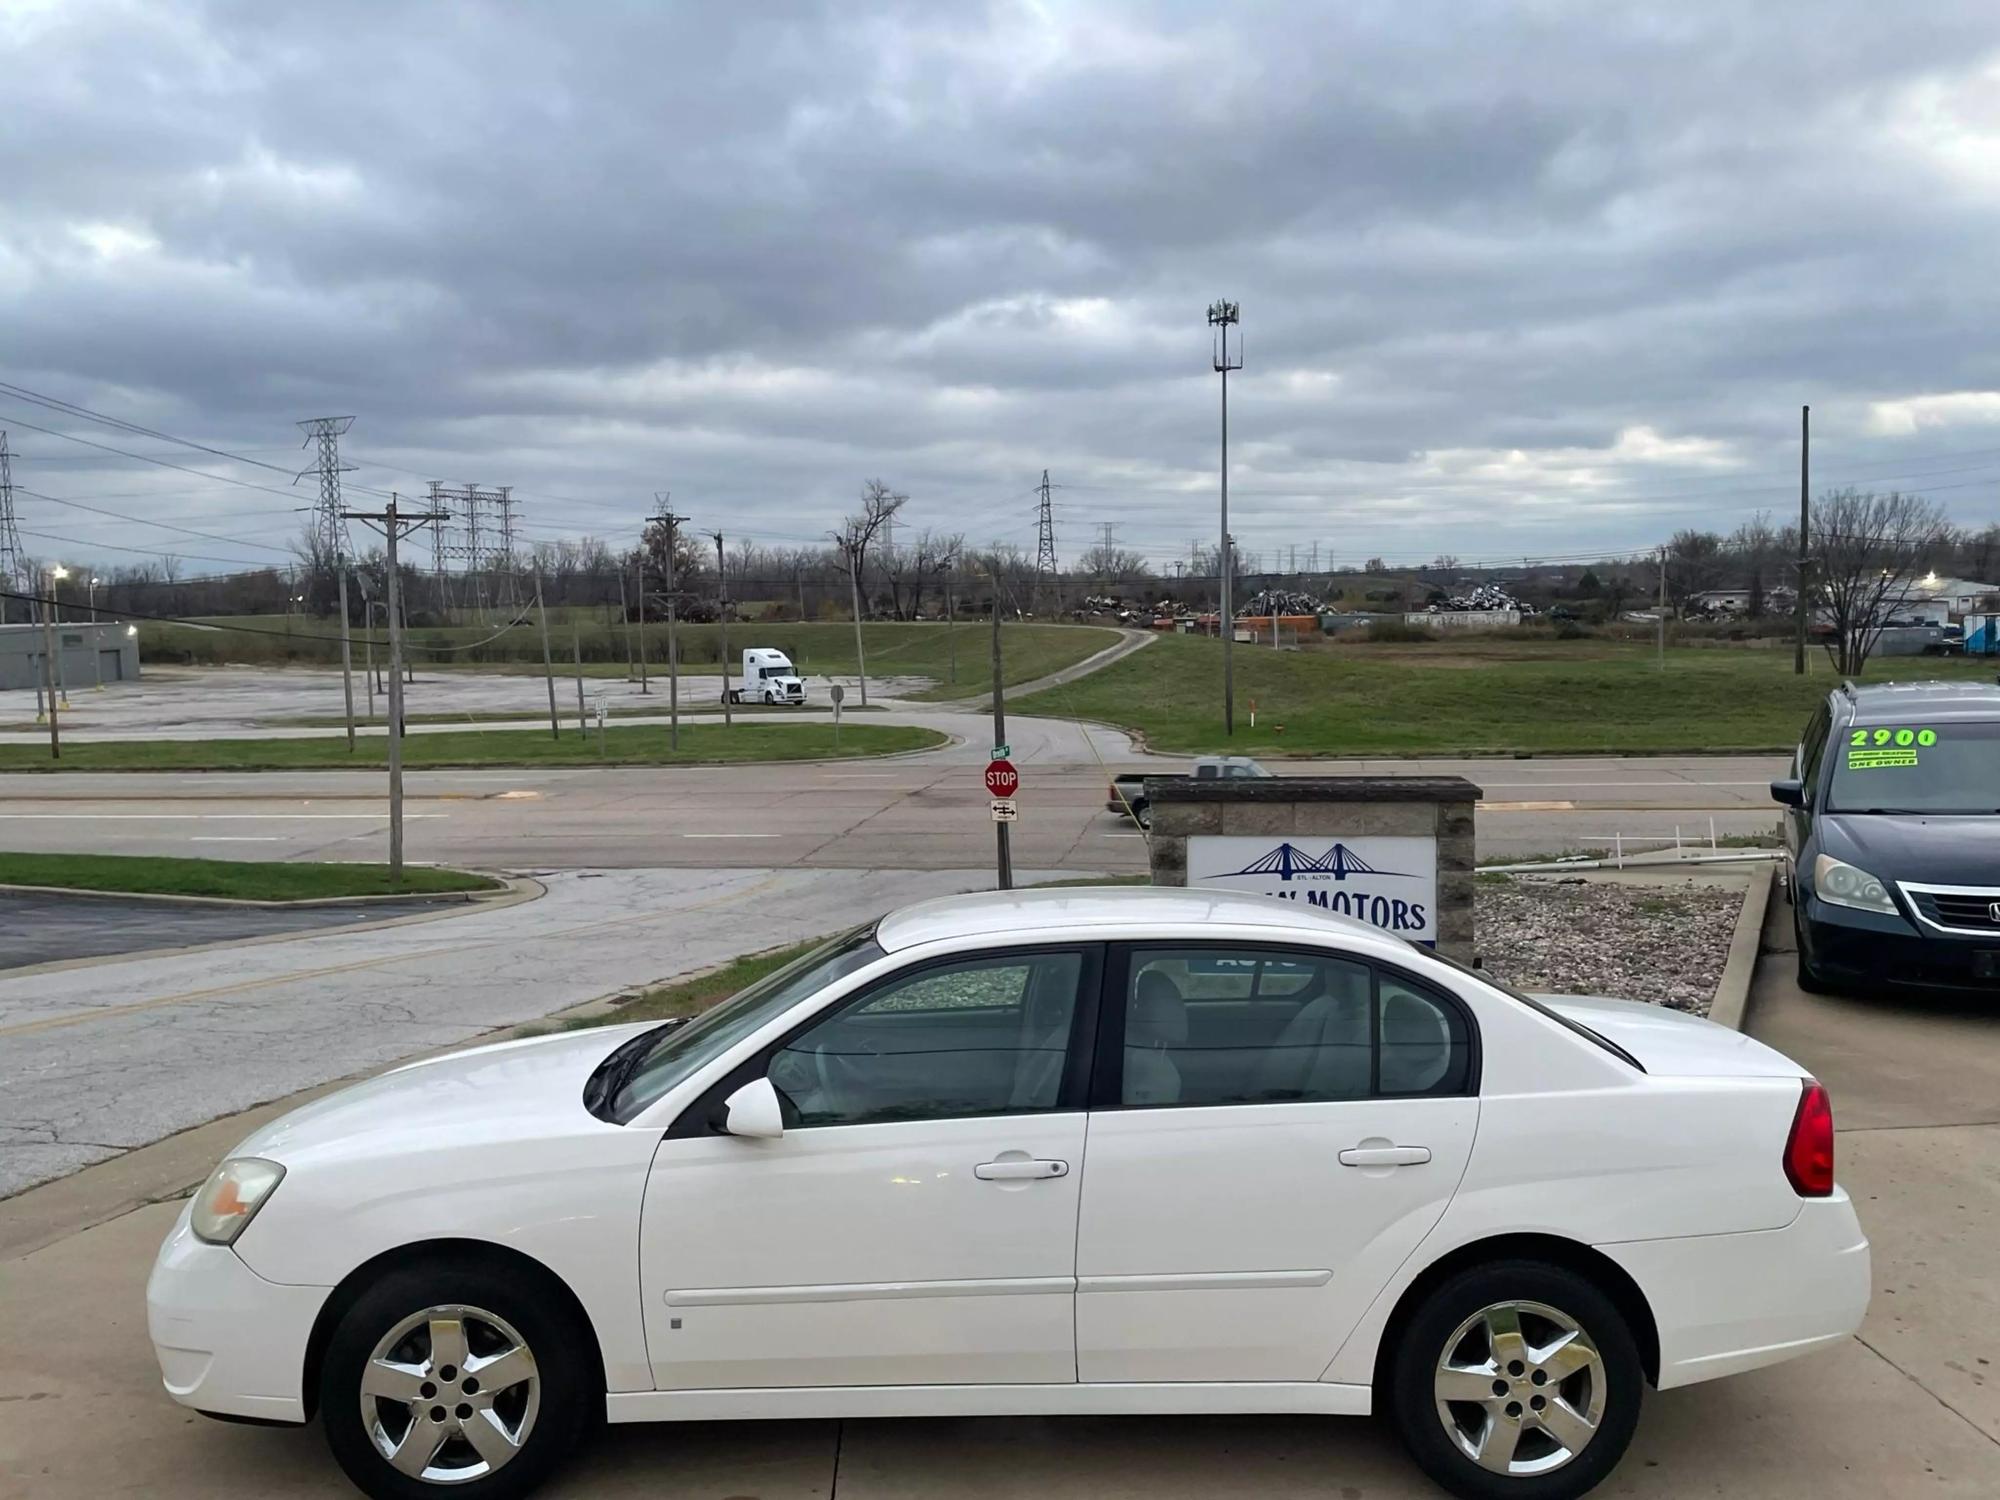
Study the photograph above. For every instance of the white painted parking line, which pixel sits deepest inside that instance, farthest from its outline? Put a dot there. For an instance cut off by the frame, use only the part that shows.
(1121, 835)
(732, 835)
(234, 838)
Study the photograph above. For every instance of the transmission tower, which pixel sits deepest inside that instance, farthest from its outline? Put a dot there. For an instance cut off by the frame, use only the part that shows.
(328, 523)
(1045, 551)
(13, 562)
(475, 541)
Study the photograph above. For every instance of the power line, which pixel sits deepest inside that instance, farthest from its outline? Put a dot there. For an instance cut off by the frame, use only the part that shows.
(206, 536)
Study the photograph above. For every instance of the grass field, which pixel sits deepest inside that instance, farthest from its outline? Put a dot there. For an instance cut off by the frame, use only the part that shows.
(701, 744)
(242, 880)
(566, 711)
(1464, 697)
(817, 648)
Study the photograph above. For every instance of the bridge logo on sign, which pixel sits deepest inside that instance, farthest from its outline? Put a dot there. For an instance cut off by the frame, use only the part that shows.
(1289, 862)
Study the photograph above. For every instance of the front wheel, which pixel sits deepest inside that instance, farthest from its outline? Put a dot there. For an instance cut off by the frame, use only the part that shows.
(1516, 1381)
(454, 1380)
(1810, 979)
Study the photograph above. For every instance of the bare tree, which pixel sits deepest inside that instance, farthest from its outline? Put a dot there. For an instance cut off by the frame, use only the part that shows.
(858, 532)
(1755, 544)
(1695, 564)
(1868, 553)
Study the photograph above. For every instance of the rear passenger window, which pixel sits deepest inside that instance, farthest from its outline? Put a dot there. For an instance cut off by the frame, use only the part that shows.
(1240, 1026)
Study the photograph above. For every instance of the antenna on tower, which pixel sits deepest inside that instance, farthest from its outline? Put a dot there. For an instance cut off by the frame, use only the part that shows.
(1045, 551)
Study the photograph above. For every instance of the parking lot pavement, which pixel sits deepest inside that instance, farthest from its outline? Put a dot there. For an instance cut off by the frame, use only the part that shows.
(82, 1417)
(38, 929)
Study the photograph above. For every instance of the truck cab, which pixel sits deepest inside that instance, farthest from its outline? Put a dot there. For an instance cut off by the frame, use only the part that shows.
(768, 677)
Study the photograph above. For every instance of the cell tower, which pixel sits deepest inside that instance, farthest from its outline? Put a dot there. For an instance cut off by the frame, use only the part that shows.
(13, 562)
(1045, 551)
(476, 543)
(327, 521)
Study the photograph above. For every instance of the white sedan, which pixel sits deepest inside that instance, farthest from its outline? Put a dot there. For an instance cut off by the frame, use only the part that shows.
(1139, 1150)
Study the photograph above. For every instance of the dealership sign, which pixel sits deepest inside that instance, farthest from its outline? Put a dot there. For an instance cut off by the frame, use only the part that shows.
(1389, 883)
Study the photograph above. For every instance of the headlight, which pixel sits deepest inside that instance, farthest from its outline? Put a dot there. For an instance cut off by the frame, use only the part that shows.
(230, 1198)
(1844, 885)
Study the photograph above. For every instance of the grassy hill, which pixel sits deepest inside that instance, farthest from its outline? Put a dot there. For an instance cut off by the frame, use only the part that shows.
(1464, 697)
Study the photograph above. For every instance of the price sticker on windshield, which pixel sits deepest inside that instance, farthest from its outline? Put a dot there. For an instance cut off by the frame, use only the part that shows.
(1887, 746)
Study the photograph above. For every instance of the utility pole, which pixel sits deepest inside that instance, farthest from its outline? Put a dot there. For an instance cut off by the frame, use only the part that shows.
(1003, 851)
(1221, 317)
(722, 618)
(1660, 612)
(673, 640)
(950, 617)
(576, 653)
(625, 617)
(332, 529)
(639, 578)
(1805, 523)
(13, 562)
(850, 548)
(96, 656)
(367, 644)
(394, 526)
(548, 663)
(50, 659)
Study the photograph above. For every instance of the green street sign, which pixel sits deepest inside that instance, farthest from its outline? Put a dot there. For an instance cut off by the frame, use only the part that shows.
(1001, 752)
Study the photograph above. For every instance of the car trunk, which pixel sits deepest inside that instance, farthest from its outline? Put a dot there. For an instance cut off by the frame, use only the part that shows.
(1672, 1043)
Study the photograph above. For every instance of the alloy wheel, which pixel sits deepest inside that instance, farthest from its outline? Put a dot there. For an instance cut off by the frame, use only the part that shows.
(450, 1394)
(1520, 1388)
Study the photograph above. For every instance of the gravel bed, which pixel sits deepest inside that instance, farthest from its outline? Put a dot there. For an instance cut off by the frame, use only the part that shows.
(1665, 944)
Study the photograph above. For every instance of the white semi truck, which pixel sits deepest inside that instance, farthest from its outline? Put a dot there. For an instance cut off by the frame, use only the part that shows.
(768, 677)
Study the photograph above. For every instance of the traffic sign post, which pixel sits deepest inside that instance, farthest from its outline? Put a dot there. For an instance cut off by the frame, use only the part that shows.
(1004, 855)
(836, 693)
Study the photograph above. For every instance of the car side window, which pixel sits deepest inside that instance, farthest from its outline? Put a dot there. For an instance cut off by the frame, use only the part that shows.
(1422, 1043)
(974, 1036)
(1253, 1026)
(1812, 749)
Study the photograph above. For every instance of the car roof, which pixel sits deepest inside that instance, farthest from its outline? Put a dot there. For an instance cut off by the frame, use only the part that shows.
(1889, 702)
(995, 913)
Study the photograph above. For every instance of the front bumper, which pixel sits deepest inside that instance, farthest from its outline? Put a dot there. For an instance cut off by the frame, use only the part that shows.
(1725, 1303)
(1885, 950)
(228, 1341)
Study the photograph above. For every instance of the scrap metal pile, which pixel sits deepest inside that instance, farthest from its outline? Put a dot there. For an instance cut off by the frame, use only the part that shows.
(1268, 602)
(1486, 596)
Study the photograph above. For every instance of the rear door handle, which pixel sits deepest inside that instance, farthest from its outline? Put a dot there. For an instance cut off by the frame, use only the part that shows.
(1385, 1156)
(1019, 1170)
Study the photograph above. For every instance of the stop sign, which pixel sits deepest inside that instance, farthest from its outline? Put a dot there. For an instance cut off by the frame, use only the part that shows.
(1002, 780)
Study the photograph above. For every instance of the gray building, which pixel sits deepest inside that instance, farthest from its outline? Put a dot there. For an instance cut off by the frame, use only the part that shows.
(89, 654)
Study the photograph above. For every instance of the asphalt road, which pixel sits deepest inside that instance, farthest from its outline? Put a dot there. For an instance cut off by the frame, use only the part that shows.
(1909, 1407)
(37, 929)
(925, 811)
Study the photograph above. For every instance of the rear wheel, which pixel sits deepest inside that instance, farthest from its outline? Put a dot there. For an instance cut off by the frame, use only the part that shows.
(1516, 1381)
(454, 1380)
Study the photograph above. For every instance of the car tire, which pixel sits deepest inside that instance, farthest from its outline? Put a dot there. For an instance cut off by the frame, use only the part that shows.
(1143, 816)
(1810, 977)
(1591, 1393)
(393, 1336)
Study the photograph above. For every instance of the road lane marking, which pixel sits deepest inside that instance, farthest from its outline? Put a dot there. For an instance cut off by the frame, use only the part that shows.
(1507, 807)
(732, 835)
(234, 838)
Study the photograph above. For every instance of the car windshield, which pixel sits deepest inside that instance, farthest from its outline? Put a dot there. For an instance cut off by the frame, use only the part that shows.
(676, 1054)
(1914, 767)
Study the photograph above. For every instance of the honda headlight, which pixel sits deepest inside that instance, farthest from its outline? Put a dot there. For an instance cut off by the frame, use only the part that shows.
(1845, 885)
(230, 1198)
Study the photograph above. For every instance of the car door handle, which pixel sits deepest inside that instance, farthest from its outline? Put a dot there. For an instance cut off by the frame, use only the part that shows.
(1019, 1170)
(1385, 1156)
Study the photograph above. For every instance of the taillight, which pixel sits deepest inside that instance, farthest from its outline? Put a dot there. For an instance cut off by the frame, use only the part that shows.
(1809, 1148)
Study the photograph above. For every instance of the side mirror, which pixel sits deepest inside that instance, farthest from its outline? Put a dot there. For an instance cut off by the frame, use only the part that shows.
(753, 1112)
(1791, 793)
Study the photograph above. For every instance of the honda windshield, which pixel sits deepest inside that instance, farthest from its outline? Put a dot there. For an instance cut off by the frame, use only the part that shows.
(1914, 767)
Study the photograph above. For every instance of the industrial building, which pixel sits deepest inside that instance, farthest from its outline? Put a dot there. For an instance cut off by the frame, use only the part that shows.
(87, 654)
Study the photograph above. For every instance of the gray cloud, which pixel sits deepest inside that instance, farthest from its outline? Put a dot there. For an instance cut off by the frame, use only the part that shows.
(1516, 279)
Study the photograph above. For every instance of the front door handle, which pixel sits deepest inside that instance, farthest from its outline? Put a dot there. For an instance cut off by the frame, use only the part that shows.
(1019, 1170)
(1385, 1156)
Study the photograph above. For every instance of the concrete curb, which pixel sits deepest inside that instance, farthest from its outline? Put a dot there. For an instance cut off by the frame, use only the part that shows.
(1732, 991)
(520, 888)
(306, 903)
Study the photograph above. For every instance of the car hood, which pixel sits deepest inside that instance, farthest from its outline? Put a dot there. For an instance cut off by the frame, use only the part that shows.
(1936, 848)
(1672, 1043)
(515, 1089)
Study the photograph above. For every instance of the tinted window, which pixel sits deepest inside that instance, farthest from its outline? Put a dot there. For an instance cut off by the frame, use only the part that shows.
(1423, 1044)
(981, 1036)
(1223, 1026)
(1812, 749)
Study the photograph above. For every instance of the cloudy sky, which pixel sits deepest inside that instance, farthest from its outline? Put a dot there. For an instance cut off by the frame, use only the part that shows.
(1521, 279)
